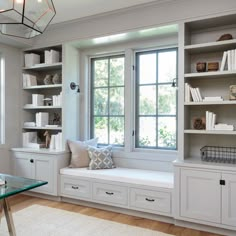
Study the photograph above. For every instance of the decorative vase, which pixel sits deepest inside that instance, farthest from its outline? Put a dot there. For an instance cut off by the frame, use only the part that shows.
(56, 79)
(47, 80)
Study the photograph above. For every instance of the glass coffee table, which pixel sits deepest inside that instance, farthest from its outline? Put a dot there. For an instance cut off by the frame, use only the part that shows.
(14, 185)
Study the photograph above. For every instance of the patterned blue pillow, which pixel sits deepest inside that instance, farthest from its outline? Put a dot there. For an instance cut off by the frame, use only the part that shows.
(101, 158)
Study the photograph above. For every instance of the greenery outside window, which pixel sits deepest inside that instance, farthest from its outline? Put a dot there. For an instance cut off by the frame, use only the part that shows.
(156, 99)
(107, 100)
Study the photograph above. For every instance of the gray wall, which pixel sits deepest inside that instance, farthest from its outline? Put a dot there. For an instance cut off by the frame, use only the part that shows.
(134, 19)
(12, 109)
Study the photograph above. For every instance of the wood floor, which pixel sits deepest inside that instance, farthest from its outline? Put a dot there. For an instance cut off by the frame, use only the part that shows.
(22, 201)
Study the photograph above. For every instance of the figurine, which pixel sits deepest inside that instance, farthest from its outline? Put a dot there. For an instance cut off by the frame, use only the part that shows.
(48, 138)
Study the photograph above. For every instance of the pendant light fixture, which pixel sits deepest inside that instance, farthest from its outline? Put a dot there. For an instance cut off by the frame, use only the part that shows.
(25, 18)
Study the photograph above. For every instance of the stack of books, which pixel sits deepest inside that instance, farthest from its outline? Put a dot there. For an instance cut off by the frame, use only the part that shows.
(228, 60)
(51, 56)
(29, 80)
(57, 100)
(56, 141)
(213, 99)
(192, 94)
(210, 120)
(41, 119)
(37, 99)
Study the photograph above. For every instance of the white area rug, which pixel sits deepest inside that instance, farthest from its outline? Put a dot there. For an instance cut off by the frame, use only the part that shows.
(39, 220)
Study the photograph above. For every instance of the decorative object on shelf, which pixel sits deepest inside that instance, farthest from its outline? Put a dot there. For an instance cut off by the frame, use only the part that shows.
(56, 119)
(25, 19)
(218, 154)
(47, 80)
(48, 101)
(56, 79)
(74, 85)
(225, 37)
(201, 67)
(47, 138)
(232, 92)
(199, 123)
(213, 66)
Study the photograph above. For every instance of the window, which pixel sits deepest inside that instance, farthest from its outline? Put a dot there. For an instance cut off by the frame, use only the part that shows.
(155, 114)
(107, 100)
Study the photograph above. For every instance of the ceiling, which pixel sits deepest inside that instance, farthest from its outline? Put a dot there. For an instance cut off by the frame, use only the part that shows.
(74, 9)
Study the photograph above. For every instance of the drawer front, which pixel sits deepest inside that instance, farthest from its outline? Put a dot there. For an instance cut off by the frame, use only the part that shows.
(150, 201)
(75, 187)
(108, 193)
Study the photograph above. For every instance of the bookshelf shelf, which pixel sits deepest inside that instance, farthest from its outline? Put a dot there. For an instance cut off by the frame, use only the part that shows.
(42, 128)
(227, 102)
(52, 86)
(27, 107)
(211, 46)
(213, 75)
(43, 66)
(223, 132)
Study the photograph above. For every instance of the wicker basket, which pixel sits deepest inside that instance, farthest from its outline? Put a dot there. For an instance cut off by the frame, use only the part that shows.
(218, 154)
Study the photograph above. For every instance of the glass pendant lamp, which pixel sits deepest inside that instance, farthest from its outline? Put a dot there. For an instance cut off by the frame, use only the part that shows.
(25, 18)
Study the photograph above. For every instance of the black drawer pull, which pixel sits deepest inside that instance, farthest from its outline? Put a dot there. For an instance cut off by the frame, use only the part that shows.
(32, 160)
(75, 187)
(109, 193)
(150, 200)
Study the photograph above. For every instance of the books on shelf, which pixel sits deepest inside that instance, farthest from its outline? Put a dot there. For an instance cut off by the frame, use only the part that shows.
(42, 119)
(51, 56)
(192, 94)
(210, 120)
(228, 61)
(57, 100)
(31, 59)
(224, 127)
(213, 99)
(37, 99)
(56, 141)
(29, 80)
(29, 124)
(29, 137)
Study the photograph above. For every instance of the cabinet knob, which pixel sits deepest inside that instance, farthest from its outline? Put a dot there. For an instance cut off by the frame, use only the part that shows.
(222, 182)
(150, 200)
(109, 193)
(32, 160)
(74, 187)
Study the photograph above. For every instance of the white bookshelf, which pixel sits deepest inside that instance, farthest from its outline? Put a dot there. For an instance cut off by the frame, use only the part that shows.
(29, 107)
(51, 86)
(228, 102)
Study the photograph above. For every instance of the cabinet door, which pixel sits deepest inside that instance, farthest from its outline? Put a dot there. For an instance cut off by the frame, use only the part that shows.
(200, 195)
(43, 170)
(229, 200)
(22, 165)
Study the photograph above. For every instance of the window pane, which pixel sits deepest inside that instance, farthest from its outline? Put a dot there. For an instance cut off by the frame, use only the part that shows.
(147, 131)
(101, 101)
(101, 129)
(147, 100)
(117, 71)
(117, 101)
(166, 100)
(166, 66)
(100, 73)
(117, 130)
(147, 68)
(167, 132)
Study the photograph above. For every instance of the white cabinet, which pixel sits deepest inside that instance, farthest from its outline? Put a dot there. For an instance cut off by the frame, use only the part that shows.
(41, 166)
(201, 195)
(229, 199)
(206, 194)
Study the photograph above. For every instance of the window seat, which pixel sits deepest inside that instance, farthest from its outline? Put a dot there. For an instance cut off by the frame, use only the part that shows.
(125, 175)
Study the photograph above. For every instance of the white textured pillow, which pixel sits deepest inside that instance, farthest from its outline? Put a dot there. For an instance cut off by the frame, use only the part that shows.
(101, 158)
(79, 153)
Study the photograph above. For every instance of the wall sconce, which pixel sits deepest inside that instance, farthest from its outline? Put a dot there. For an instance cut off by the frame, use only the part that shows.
(73, 87)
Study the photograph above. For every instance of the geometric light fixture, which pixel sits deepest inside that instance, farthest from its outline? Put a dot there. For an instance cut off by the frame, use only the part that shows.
(25, 18)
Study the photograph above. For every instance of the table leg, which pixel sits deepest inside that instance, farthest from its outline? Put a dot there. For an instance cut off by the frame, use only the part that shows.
(9, 219)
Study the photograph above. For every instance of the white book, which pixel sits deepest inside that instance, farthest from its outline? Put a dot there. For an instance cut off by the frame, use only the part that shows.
(232, 59)
(229, 63)
(206, 99)
(193, 94)
(210, 114)
(199, 94)
(52, 142)
(223, 62)
(186, 88)
(213, 121)
(207, 120)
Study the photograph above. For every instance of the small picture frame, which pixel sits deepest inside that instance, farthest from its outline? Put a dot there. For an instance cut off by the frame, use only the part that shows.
(232, 92)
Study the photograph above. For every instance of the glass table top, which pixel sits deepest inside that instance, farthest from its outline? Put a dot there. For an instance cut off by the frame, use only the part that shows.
(15, 184)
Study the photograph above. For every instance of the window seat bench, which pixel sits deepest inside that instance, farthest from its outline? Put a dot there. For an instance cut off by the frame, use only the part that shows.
(135, 189)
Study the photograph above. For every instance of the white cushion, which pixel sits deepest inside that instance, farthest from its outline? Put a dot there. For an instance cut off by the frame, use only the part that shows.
(125, 175)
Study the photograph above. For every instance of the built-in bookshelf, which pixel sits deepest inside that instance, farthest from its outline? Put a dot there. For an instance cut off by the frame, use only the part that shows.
(207, 93)
(42, 95)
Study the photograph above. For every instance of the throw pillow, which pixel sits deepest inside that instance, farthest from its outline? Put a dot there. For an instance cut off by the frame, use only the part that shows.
(101, 158)
(79, 153)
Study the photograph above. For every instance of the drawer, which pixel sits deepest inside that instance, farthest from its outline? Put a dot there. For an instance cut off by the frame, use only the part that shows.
(108, 193)
(75, 187)
(150, 201)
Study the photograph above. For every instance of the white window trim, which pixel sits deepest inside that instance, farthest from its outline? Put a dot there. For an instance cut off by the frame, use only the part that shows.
(129, 150)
